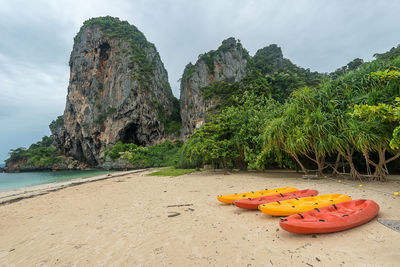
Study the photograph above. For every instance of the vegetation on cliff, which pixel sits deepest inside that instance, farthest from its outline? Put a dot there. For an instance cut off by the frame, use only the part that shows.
(114, 28)
(40, 155)
(269, 75)
(173, 122)
(226, 46)
(56, 124)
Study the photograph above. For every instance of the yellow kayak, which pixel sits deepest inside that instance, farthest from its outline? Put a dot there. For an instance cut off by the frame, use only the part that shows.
(298, 205)
(230, 198)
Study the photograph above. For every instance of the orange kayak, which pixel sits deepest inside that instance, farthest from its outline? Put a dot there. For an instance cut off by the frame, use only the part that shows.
(253, 203)
(267, 192)
(293, 206)
(332, 218)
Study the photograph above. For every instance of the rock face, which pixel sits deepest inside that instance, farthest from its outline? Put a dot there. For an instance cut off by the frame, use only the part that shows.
(228, 63)
(118, 91)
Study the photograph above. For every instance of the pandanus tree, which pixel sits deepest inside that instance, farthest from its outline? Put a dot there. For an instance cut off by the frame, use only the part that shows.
(303, 129)
(381, 136)
(336, 98)
(381, 121)
(361, 132)
(276, 136)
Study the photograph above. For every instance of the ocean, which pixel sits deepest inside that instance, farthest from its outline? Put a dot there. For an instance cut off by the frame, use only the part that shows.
(10, 181)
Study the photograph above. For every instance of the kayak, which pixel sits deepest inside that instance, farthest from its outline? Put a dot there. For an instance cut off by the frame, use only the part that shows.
(332, 218)
(267, 192)
(293, 206)
(253, 203)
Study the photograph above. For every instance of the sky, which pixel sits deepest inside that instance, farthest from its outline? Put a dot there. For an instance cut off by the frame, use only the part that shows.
(37, 38)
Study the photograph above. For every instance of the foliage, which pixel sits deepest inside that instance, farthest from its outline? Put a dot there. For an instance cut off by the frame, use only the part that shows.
(161, 155)
(173, 122)
(171, 172)
(113, 28)
(56, 124)
(209, 57)
(272, 75)
(134, 42)
(232, 138)
(40, 155)
(353, 65)
(115, 151)
(103, 116)
(188, 72)
(269, 75)
(390, 55)
(386, 113)
(350, 114)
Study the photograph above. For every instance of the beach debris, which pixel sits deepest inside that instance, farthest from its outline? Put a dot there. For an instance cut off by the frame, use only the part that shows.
(396, 194)
(360, 185)
(340, 181)
(174, 214)
(392, 224)
(180, 205)
(311, 176)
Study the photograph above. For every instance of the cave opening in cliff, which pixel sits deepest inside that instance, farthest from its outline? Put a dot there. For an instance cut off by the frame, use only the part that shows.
(129, 134)
(104, 50)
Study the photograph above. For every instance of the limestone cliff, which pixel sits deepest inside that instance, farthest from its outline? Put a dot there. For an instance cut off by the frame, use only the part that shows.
(227, 63)
(118, 91)
(267, 73)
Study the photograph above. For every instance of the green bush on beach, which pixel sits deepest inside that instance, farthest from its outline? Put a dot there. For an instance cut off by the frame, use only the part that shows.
(160, 155)
(171, 172)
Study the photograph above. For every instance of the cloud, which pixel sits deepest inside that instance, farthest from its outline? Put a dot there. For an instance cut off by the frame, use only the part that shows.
(31, 97)
(37, 38)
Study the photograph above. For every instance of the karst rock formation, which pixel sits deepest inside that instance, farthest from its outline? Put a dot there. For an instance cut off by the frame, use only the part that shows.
(118, 91)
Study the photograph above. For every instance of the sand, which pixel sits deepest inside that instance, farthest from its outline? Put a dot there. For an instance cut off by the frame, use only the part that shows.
(126, 221)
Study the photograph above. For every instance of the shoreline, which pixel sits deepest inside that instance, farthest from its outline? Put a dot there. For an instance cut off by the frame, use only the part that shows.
(15, 195)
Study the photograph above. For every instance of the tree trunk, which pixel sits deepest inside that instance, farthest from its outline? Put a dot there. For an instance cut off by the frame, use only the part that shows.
(380, 172)
(348, 155)
(320, 160)
(303, 169)
(380, 169)
(335, 171)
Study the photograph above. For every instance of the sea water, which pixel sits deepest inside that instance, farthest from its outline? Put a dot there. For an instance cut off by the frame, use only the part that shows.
(10, 181)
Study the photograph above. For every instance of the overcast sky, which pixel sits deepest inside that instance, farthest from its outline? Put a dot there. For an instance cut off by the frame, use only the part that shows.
(37, 38)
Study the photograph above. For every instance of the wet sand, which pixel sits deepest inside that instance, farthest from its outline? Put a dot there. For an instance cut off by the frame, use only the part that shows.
(126, 221)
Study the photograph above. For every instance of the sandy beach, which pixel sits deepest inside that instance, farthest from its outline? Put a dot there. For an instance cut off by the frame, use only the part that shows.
(133, 220)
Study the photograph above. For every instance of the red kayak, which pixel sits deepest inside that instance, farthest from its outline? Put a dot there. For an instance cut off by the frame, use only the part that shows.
(253, 203)
(331, 218)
